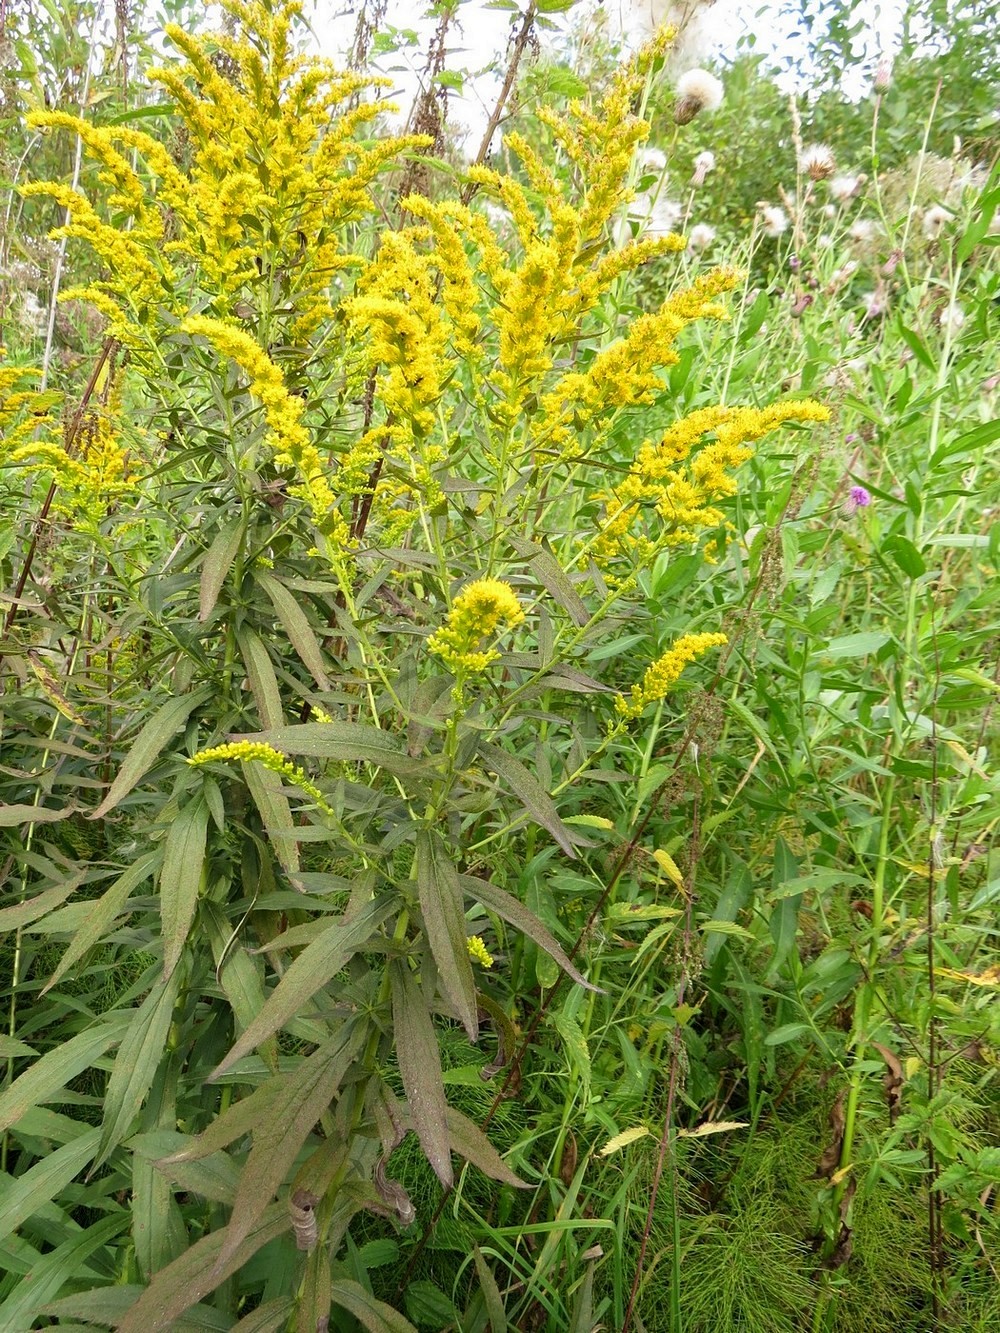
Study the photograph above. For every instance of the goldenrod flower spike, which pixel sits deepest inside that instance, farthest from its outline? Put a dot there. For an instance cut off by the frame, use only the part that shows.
(248, 752)
(478, 951)
(666, 671)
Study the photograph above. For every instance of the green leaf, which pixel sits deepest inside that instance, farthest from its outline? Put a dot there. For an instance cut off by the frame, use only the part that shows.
(553, 579)
(491, 1294)
(507, 907)
(263, 681)
(296, 626)
(12, 816)
(57, 1067)
(218, 559)
(180, 878)
(271, 1317)
(196, 1272)
(313, 968)
(444, 921)
(139, 1055)
(469, 1141)
(27, 1193)
(535, 799)
(787, 1032)
(279, 1135)
(148, 745)
(906, 556)
(61, 1265)
(855, 645)
(102, 912)
(353, 742)
(576, 1048)
(420, 1068)
(22, 913)
(372, 1314)
(214, 1177)
(428, 1305)
(266, 788)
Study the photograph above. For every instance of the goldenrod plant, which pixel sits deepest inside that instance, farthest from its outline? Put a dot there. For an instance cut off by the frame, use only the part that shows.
(326, 708)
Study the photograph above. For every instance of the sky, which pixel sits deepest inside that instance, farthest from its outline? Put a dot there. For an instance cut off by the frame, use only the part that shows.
(483, 31)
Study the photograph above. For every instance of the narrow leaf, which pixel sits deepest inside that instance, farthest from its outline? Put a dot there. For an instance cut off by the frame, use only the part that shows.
(180, 879)
(420, 1068)
(263, 681)
(59, 1266)
(444, 921)
(27, 1193)
(624, 1139)
(218, 559)
(353, 742)
(313, 968)
(535, 799)
(57, 1067)
(296, 626)
(148, 745)
(102, 912)
(271, 1317)
(23, 913)
(372, 1314)
(712, 1127)
(469, 1141)
(507, 907)
(278, 1137)
(266, 788)
(12, 816)
(139, 1056)
(197, 1272)
(491, 1294)
(215, 1177)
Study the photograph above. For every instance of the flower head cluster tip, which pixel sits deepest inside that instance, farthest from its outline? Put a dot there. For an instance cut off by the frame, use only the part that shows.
(478, 614)
(258, 751)
(666, 671)
(478, 950)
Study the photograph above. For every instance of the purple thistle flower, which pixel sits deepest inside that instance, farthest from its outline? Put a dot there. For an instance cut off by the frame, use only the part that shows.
(857, 498)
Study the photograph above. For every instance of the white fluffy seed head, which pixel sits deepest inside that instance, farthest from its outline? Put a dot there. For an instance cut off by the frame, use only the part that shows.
(844, 188)
(934, 220)
(697, 90)
(952, 318)
(701, 236)
(774, 220)
(817, 161)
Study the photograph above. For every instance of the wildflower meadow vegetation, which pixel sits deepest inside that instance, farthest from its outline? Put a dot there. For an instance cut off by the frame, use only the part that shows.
(500, 658)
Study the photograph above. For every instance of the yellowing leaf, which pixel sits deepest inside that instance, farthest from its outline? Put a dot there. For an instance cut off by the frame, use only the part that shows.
(842, 1174)
(623, 1140)
(669, 867)
(712, 1127)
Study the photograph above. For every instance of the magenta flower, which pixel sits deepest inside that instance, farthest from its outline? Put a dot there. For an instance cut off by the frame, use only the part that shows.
(857, 498)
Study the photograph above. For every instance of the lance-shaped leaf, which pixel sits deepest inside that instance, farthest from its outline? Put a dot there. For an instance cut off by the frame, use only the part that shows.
(197, 1272)
(296, 626)
(532, 795)
(180, 879)
(350, 742)
(444, 921)
(266, 788)
(239, 1118)
(11, 816)
(469, 1141)
(149, 744)
(22, 914)
(271, 1317)
(215, 1177)
(54, 1270)
(420, 1068)
(27, 1193)
(372, 1314)
(218, 559)
(313, 968)
(138, 1058)
(260, 673)
(102, 912)
(507, 907)
(279, 1136)
(57, 1067)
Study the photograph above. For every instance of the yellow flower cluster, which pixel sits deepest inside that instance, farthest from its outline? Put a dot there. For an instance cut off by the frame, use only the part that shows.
(277, 167)
(478, 951)
(289, 438)
(25, 412)
(250, 752)
(683, 495)
(479, 612)
(666, 671)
